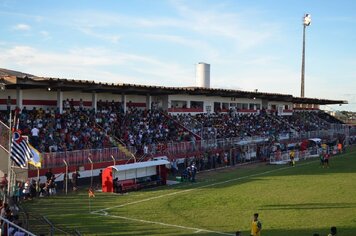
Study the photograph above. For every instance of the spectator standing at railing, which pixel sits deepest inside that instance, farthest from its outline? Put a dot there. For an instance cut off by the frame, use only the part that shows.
(193, 172)
(5, 213)
(32, 189)
(339, 147)
(4, 206)
(49, 174)
(326, 160)
(26, 190)
(75, 176)
(52, 186)
(16, 192)
(3, 184)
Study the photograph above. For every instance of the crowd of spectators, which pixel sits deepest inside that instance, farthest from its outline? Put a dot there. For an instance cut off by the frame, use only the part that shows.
(78, 128)
(306, 121)
(230, 125)
(141, 128)
(50, 131)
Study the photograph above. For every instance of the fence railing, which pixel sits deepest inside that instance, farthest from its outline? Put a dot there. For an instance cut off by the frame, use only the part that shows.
(9, 228)
(181, 148)
(284, 157)
(80, 157)
(41, 225)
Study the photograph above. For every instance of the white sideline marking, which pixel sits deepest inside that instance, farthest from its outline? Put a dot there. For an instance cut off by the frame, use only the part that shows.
(196, 230)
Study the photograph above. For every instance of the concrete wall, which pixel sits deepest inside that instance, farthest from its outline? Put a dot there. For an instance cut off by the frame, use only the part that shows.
(3, 162)
(209, 100)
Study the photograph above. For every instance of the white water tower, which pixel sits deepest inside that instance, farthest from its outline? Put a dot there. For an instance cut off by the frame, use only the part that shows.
(203, 75)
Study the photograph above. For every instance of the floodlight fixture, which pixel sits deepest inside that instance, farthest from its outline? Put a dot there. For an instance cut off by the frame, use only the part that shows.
(307, 20)
(2, 86)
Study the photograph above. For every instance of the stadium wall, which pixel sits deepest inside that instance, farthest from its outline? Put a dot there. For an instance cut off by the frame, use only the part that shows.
(210, 100)
(282, 108)
(3, 98)
(41, 98)
(4, 156)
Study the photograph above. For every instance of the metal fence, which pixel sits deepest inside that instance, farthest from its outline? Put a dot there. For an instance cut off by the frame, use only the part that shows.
(80, 157)
(9, 228)
(41, 225)
(171, 149)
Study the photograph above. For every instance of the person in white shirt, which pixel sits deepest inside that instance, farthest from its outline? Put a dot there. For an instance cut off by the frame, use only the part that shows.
(35, 131)
(34, 136)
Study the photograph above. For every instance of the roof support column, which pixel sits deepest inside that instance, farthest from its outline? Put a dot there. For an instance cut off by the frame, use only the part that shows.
(19, 98)
(123, 102)
(60, 101)
(148, 102)
(94, 101)
(166, 103)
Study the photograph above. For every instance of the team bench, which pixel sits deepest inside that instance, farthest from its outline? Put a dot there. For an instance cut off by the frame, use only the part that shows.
(127, 185)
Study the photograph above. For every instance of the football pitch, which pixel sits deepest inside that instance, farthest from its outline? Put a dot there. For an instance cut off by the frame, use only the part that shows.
(299, 200)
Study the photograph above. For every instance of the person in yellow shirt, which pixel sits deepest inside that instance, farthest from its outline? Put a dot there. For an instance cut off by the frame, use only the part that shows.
(291, 156)
(256, 226)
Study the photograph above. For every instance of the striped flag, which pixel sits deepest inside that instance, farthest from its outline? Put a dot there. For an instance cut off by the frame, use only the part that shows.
(20, 150)
(36, 157)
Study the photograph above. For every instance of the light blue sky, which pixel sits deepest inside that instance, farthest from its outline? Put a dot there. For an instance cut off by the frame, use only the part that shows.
(249, 44)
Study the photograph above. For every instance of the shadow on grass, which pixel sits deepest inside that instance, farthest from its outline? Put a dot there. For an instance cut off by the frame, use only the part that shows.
(344, 163)
(344, 231)
(308, 206)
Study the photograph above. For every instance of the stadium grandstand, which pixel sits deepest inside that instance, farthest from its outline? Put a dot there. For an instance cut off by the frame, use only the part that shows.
(84, 124)
(62, 115)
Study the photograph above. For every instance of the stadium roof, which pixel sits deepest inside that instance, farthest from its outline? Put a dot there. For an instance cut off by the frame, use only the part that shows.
(138, 165)
(14, 79)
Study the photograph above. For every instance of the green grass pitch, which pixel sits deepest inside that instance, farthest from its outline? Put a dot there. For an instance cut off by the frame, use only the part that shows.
(299, 200)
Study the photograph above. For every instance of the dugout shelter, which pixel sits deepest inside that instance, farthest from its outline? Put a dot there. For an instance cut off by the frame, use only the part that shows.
(134, 176)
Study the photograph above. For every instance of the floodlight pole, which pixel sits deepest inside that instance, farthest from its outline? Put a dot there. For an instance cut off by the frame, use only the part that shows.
(306, 22)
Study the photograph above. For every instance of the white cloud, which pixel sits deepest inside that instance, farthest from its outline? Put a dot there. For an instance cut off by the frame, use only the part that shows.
(105, 37)
(238, 27)
(95, 64)
(45, 35)
(192, 43)
(22, 27)
(215, 21)
(19, 15)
